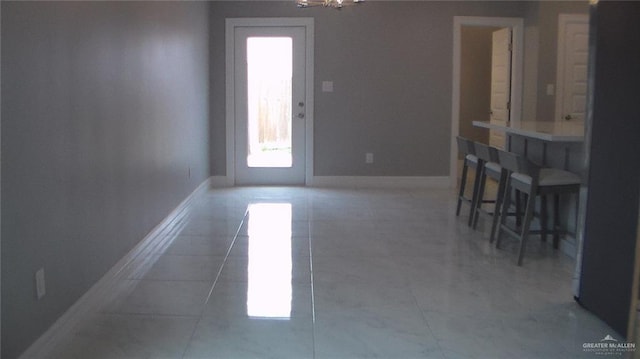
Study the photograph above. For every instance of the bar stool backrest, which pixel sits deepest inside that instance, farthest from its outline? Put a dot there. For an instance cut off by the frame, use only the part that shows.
(486, 153)
(514, 162)
(465, 146)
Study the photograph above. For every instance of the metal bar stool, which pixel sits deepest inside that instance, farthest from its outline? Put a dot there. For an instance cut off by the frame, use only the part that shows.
(467, 149)
(491, 169)
(533, 181)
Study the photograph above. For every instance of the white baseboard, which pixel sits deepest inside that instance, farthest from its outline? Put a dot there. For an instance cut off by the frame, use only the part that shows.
(160, 237)
(402, 182)
(381, 181)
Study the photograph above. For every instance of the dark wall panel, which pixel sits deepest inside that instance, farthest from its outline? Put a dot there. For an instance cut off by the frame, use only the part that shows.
(614, 172)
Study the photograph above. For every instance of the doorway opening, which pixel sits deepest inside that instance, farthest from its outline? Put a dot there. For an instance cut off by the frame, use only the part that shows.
(504, 101)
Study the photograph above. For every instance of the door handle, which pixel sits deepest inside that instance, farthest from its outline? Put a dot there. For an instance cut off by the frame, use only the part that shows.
(568, 117)
(301, 115)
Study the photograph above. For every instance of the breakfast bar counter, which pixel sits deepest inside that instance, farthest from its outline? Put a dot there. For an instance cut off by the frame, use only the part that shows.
(558, 144)
(566, 131)
(549, 144)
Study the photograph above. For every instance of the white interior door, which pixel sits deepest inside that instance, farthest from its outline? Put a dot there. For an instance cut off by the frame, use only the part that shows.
(573, 53)
(500, 83)
(270, 109)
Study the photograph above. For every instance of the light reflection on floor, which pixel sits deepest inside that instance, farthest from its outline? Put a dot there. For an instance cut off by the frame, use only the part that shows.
(269, 268)
(347, 274)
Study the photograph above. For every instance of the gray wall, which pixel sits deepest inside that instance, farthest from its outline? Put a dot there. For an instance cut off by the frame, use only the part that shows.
(104, 110)
(541, 23)
(391, 67)
(475, 80)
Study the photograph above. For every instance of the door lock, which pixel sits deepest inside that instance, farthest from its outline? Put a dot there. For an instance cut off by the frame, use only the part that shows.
(301, 115)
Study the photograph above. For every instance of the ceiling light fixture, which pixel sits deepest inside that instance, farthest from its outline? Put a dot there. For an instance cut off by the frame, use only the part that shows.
(336, 4)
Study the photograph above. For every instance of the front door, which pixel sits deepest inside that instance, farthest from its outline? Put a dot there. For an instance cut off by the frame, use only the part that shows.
(270, 108)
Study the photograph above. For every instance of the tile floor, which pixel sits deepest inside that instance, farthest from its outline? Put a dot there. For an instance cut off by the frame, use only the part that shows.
(330, 273)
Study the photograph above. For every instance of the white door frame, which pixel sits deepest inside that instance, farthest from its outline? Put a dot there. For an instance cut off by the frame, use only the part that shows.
(563, 21)
(231, 25)
(517, 26)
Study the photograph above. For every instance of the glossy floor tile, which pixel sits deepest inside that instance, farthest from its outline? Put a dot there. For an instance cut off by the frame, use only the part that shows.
(332, 273)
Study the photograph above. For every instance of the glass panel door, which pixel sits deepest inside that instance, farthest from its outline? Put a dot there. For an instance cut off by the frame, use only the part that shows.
(269, 73)
(270, 117)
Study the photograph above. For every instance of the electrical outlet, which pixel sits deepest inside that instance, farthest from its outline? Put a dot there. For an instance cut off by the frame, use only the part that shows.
(368, 157)
(40, 285)
(327, 86)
